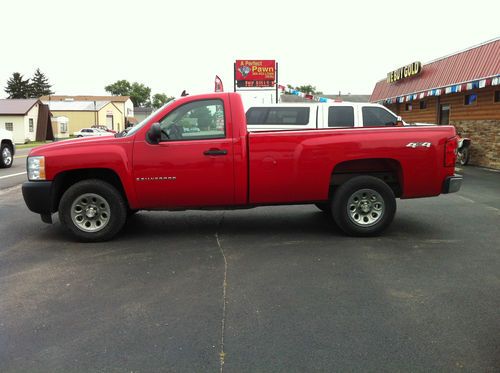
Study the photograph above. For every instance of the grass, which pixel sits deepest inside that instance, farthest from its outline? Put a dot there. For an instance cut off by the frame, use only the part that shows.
(32, 144)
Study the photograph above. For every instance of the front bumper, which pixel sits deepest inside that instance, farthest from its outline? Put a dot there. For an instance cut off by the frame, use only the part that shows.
(38, 196)
(452, 184)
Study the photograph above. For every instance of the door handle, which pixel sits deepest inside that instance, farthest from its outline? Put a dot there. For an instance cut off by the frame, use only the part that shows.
(215, 152)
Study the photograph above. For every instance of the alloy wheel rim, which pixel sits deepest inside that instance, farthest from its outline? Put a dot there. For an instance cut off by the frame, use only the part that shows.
(365, 207)
(7, 156)
(90, 212)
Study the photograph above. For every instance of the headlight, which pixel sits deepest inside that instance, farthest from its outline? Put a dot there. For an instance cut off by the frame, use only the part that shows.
(36, 168)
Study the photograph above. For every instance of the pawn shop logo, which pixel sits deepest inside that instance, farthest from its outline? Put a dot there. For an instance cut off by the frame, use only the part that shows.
(244, 70)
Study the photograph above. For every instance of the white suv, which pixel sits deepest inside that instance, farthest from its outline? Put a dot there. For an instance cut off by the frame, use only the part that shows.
(7, 149)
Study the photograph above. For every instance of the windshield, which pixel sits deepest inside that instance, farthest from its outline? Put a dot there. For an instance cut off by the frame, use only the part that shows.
(139, 125)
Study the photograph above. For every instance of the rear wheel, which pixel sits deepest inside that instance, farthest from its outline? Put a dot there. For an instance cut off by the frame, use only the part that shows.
(364, 206)
(93, 210)
(6, 157)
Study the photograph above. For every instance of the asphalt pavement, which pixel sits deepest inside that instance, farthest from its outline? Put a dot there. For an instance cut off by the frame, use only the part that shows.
(272, 289)
(16, 174)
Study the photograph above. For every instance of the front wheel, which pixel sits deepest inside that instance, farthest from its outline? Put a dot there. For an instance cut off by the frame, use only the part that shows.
(364, 206)
(6, 157)
(93, 210)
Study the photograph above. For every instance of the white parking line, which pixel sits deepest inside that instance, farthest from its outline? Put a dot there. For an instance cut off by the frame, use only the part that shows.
(12, 175)
(466, 199)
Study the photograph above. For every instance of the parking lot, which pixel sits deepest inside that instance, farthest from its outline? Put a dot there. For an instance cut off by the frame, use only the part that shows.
(298, 294)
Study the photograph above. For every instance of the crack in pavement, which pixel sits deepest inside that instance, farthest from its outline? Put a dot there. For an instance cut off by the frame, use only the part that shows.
(222, 354)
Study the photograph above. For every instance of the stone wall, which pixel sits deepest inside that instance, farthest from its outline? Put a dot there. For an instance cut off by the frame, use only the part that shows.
(485, 136)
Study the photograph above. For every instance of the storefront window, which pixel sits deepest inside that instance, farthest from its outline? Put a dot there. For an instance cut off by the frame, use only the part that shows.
(423, 105)
(470, 99)
(408, 107)
(497, 96)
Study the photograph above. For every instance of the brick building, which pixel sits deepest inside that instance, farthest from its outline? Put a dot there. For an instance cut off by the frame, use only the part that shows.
(462, 89)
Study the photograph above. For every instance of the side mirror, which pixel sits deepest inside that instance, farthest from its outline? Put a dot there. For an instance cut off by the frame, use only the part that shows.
(399, 121)
(154, 134)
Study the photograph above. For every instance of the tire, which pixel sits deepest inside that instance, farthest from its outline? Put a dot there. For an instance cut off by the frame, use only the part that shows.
(364, 206)
(93, 210)
(464, 158)
(326, 207)
(6, 157)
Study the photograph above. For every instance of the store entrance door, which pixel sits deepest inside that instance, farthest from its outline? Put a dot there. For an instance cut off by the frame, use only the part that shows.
(444, 114)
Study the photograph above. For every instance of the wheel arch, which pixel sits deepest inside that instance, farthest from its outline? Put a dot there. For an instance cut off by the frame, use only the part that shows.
(65, 179)
(388, 170)
(9, 143)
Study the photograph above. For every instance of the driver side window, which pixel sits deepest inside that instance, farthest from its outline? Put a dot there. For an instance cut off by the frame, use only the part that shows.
(195, 121)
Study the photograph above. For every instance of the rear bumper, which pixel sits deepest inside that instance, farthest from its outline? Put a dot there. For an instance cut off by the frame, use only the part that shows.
(38, 196)
(452, 184)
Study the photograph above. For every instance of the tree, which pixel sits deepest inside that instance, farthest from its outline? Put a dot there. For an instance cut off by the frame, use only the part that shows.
(159, 99)
(39, 85)
(308, 89)
(138, 92)
(17, 87)
(119, 88)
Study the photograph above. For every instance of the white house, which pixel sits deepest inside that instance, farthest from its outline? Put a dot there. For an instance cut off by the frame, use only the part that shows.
(20, 116)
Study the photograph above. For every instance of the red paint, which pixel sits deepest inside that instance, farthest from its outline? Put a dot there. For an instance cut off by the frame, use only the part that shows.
(277, 167)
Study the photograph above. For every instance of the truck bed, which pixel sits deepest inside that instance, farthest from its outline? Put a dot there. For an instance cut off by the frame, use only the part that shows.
(297, 166)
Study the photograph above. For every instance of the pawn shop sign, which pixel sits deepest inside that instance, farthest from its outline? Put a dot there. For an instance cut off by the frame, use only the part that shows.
(256, 70)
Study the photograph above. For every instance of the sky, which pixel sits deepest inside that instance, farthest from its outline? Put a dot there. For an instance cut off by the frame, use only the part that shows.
(175, 45)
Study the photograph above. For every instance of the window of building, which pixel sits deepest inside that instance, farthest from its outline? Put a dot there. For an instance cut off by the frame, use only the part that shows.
(423, 104)
(340, 116)
(278, 115)
(196, 120)
(63, 127)
(30, 120)
(375, 116)
(470, 99)
(497, 96)
(408, 107)
(9, 127)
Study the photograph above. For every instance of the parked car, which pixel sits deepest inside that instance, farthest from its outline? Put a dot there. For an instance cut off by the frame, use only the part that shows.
(303, 116)
(85, 132)
(354, 174)
(103, 128)
(7, 149)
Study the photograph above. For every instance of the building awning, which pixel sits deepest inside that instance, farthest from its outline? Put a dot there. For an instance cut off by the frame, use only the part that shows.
(476, 67)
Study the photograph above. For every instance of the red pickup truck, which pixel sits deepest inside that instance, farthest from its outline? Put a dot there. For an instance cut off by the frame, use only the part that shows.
(196, 153)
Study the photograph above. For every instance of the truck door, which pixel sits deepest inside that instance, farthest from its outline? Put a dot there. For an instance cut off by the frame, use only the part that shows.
(192, 166)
